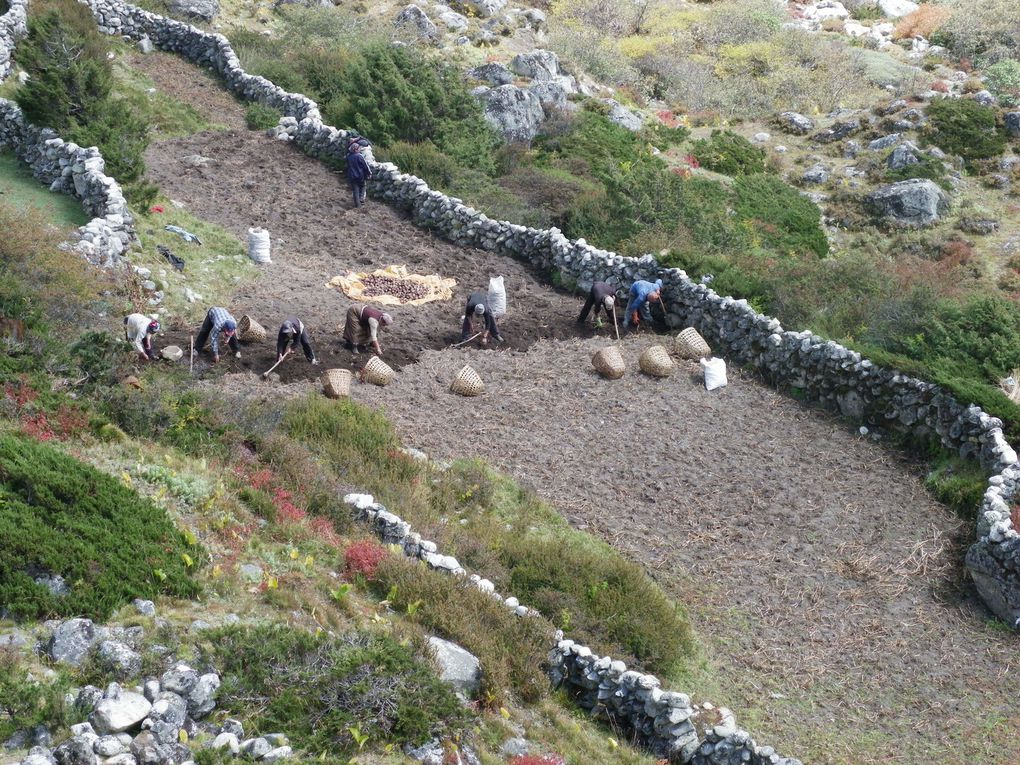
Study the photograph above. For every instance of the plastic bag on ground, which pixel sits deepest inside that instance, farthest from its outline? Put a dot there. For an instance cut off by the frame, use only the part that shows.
(497, 296)
(715, 373)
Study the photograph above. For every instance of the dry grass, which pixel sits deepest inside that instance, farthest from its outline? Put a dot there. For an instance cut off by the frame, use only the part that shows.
(923, 22)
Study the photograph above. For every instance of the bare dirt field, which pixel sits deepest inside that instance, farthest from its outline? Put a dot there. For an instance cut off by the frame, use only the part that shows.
(825, 583)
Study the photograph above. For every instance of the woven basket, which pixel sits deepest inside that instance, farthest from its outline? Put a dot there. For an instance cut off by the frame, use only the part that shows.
(609, 363)
(690, 345)
(377, 372)
(655, 361)
(336, 383)
(250, 331)
(467, 382)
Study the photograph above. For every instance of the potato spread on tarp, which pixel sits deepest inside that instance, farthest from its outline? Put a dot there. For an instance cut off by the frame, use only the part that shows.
(393, 285)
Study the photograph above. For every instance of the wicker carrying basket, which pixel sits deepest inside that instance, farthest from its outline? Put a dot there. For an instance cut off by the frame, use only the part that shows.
(467, 382)
(608, 362)
(690, 345)
(250, 331)
(377, 372)
(336, 383)
(655, 361)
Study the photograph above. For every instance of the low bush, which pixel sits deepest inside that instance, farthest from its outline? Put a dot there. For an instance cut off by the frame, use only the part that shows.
(726, 152)
(363, 558)
(926, 167)
(926, 21)
(958, 484)
(322, 690)
(261, 117)
(64, 517)
(24, 701)
(965, 128)
(1003, 80)
(786, 222)
(511, 649)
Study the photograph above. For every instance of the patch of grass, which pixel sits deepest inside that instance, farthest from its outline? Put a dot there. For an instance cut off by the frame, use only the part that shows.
(62, 516)
(26, 702)
(19, 189)
(959, 484)
(261, 117)
(319, 689)
(511, 649)
(213, 269)
(166, 116)
(965, 128)
(728, 153)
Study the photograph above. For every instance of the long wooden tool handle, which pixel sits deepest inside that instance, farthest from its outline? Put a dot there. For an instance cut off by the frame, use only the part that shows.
(615, 325)
(266, 373)
(457, 345)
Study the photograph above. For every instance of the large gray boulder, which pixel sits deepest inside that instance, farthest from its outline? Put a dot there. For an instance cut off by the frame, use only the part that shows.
(903, 155)
(201, 699)
(453, 21)
(551, 95)
(536, 65)
(896, 8)
(912, 204)
(414, 19)
(206, 10)
(72, 640)
(120, 659)
(514, 112)
(77, 750)
(166, 717)
(179, 679)
(622, 116)
(458, 667)
(796, 123)
(494, 74)
(119, 710)
(1013, 124)
(39, 755)
(484, 8)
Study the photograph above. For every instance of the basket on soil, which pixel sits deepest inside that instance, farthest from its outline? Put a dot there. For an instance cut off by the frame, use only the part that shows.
(690, 345)
(467, 382)
(250, 331)
(608, 362)
(336, 383)
(377, 372)
(655, 361)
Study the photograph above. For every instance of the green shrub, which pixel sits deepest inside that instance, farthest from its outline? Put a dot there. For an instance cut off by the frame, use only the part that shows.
(317, 688)
(965, 128)
(424, 160)
(785, 221)
(511, 649)
(959, 484)
(259, 502)
(261, 117)
(163, 413)
(64, 517)
(1003, 80)
(728, 153)
(25, 702)
(926, 167)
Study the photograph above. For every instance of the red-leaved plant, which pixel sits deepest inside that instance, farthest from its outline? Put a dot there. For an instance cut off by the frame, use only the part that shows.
(363, 558)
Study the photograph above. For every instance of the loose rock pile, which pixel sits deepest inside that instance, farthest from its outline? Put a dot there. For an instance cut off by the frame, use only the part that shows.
(147, 724)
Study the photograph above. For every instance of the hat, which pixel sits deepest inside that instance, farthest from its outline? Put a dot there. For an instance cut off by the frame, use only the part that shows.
(609, 301)
(387, 319)
(288, 329)
(480, 308)
(229, 325)
(353, 146)
(153, 326)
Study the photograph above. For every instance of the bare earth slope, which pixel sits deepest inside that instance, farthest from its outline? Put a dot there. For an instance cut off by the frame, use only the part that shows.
(825, 583)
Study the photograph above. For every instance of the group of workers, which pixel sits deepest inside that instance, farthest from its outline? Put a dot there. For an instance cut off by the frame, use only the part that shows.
(363, 323)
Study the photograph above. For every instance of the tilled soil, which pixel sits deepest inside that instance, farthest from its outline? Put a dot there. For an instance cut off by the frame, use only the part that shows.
(826, 585)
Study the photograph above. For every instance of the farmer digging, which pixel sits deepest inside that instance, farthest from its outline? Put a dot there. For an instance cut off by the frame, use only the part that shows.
(217, 321)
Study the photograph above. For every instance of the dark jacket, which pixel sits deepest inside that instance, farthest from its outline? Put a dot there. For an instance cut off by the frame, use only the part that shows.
(299, 335)
(478, 298)
(357, 167)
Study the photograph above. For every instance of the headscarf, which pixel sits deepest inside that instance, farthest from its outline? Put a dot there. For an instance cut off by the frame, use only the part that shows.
(229, 326)
(609, 301)
(480, 308)
(153, 327)
(387, 319)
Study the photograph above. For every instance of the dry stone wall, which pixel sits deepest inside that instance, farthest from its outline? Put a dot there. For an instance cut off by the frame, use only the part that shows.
(823, 371)
(65, 167)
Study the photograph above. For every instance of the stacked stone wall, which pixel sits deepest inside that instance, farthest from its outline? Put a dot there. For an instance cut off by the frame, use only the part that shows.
(64, 166)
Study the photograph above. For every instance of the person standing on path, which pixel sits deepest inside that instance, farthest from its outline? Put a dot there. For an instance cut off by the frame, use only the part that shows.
(138, 330)
(293, 331)
(218, 320)
(478, 308)
(601, 296)
(362, 327)
(641, 292)
(358, 173)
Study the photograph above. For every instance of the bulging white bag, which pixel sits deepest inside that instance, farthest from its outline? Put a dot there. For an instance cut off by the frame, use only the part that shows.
(258, 245)
(497, 296)
(715, 373)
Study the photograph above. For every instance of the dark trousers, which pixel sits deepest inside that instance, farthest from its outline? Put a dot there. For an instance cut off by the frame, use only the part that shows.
(468, 326)
(588, 305)
(358, 191)
(203, 335)
(306, 345)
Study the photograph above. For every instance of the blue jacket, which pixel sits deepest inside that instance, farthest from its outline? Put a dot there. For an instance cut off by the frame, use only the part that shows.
(639, 292)
(357, 167)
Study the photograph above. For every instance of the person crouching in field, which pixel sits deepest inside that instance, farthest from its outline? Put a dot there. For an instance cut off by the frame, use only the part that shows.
(218, 320)
(138, 330)
(362, 327)
(292, 332)
(601, 296)
(478, 308)
(641, 293)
